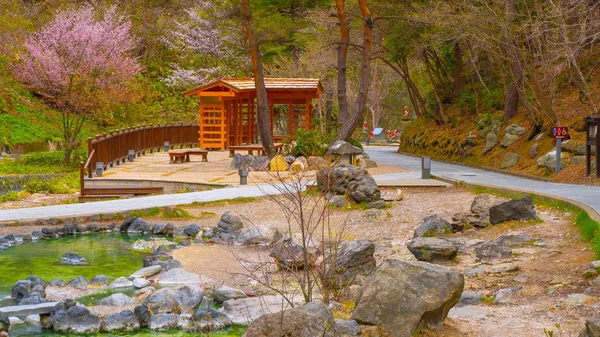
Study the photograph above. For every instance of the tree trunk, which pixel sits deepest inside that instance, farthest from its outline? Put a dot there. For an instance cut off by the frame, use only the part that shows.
(511, 103)
(361, 101)
(435, 91)
(458, 75)
(343, 114)
(263, 118)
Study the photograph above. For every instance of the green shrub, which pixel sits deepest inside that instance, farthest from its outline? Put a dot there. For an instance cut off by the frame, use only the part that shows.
(65, 184)
(308, 143)
(10, 196)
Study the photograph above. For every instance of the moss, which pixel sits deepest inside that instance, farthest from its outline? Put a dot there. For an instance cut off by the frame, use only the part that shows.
(234, 201)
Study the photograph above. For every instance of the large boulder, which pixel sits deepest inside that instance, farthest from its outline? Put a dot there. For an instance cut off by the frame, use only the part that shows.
(592, 327)
(353, 260)
(75, 320)
(481, 206)
(289, 253)
(135, 225)
(122, 321)
(347, 179)
(490, 141)
(246, 310)
(514, 129)
(147, 271)
(517, 209)
(21, 289)
(228, 227)
(432, 249)
(224, 293)
(182, 299)
(508, 140)
(403, 296)
(177, 276)
(317, 163)
(510, 159)
(116, 300)
(163, 322)
(278, 163)
(208, 320)
(432, 226)
(79, 282)
(309, 320)
(257, 235)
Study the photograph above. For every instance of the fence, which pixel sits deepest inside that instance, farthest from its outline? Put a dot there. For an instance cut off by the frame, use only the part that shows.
(113, 148)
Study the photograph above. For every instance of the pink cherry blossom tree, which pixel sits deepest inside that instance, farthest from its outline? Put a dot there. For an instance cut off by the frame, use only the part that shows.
(76, 62)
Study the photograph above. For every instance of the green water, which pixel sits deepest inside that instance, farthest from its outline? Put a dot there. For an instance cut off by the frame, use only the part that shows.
(107, 254)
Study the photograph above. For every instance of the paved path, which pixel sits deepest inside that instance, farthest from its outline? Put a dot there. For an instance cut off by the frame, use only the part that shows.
(587, 195)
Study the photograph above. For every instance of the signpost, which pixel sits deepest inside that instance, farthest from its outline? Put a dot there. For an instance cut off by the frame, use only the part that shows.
(592, 140)
(559, 133)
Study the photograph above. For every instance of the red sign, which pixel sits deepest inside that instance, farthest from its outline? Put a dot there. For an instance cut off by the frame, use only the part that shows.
(406, 112)
(371, 134)
(560, 132)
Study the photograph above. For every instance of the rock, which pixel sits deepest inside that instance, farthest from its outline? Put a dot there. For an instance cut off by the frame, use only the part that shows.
(257, 235)
(592, 327)
(224, 293)
(182, 299)
(179, 276)
(278, 163)
(165, 262)
(141, 283)
(366, 163)
(504, 296)
(347, 327)
(142, 313)
(337, 201)
(76, 320)
(468, 298)
(317, 163)
(147, 271)
(246, 310)
(57, 283)
(116, 300)
(141, 245)
(259, 163)
(392, 297)
(508, 140)
(237, 161)
(33, 299)
(490, 141)
(123, 321)
(347, 179)
(432, 249)
(209, 320)
(300, 164)
(139, 226)
(192, 230)
(469, 312)
(514, 129)
(514, 238)
(99, 279)
(534, 151)
(517, 209)
(121, 282)
(503, 268)
(143, 293)
(491, 251)
(309, 320)
(510, 160)
(21, 289)
(4, 323)
(93, 228)
(72, 259)
(289, 253)
(578, 299)
(289, 159)
(228, 227)
(170, 229)
(158, 229)
(378, 204)
(578, 160)
(481, 206)
(353, 260)
(163, 322)
(79, 282)
(433, 225)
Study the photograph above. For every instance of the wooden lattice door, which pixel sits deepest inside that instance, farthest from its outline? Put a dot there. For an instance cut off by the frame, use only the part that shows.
(213, 125)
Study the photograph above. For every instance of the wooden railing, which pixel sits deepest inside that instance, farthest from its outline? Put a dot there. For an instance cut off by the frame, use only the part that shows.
(112, 148)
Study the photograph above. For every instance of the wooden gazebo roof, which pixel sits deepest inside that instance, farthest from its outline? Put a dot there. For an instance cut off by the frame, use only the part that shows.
(312, 85)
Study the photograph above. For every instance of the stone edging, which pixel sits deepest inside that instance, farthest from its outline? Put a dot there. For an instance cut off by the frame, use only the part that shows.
(592, 212)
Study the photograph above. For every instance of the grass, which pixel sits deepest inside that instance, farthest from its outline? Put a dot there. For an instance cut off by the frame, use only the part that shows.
(589, 228)
(40, 163)
(234, 201)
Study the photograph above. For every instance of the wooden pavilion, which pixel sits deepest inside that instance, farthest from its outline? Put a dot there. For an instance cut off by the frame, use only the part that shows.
(227, 109)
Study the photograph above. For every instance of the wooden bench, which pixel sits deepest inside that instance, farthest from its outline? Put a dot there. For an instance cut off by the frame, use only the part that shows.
(251, 148)
(183, 155)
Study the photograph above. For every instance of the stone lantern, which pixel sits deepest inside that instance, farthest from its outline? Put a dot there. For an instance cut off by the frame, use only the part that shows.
(344, 152)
